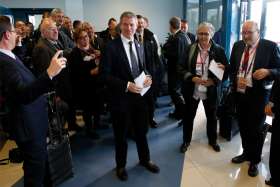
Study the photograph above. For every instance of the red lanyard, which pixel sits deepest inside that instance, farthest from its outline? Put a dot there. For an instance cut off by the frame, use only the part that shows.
(202, 62)
(244, 66)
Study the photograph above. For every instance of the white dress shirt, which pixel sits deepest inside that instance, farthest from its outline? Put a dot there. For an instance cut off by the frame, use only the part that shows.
(9, 53)
(125, 42)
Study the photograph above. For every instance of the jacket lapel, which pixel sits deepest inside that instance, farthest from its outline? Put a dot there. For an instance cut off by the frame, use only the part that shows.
(239, 54)
(259, 50)
(140, 54)
(124, 57)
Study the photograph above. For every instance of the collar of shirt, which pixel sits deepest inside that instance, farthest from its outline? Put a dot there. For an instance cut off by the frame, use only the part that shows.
(126, 47)
(8, 52)
(126, 40)
(140, 33)
(254, 45)
(200, 48)
(52, 42)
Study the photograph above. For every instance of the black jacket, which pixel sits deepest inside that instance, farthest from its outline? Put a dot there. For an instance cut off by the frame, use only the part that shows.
(267, 56)
(28, 115)
(187, 72)
(116, 72)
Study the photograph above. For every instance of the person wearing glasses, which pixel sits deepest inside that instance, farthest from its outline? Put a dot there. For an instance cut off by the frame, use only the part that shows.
(254, 63)
(199, 83)
(84, 69)
(24, 94)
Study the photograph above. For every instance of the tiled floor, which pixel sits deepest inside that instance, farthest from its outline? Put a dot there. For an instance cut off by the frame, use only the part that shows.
(202, 167)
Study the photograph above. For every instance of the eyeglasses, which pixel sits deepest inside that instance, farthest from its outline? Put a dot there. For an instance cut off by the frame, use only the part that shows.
(248, 32)
(203, 34)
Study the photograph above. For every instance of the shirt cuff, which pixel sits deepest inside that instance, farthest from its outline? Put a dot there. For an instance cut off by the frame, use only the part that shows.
(126, 90)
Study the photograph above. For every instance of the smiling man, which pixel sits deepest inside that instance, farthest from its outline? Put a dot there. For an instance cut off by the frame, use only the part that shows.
(254, 63)
(123, 62)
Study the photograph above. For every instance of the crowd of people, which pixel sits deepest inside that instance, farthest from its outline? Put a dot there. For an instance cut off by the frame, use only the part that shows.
(97, 71)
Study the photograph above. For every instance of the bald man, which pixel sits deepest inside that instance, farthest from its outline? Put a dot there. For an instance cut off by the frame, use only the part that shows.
(254, 64)
(46, 47)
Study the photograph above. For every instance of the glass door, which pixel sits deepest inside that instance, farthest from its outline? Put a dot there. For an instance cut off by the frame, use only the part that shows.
(212, 11)
(193, 15)
(271, 28)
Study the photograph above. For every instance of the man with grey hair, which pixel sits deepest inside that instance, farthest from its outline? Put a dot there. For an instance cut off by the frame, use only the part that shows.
(174, 51)
(254, 63)
(124, 61)
(57, 15)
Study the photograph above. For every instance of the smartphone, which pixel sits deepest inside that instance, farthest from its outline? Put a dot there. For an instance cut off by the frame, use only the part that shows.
(60, 55)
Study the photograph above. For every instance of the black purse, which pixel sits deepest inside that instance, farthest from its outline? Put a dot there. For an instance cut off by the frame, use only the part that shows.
(59, 165)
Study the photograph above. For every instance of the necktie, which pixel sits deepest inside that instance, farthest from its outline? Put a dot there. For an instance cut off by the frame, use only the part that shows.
(140, 38)
(134, 64)
(246, 59)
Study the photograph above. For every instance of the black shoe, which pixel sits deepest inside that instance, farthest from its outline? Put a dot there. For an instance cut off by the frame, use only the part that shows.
(269, 182)
(239, 159)
(253, 170)
(184, 147)
(121, 174)
(154, 124)
(150, 166)
(215, 147)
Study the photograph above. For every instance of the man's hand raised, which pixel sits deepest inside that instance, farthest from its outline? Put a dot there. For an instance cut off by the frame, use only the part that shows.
(56, 65)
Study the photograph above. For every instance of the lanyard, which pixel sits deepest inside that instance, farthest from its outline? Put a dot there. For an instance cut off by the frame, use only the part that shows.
(203, 61)
(246, 71)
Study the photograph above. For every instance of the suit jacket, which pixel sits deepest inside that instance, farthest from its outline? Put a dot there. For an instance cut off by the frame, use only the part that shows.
(151, 52)
(174, 51)
(67, 32)
(275, 97)
(28, 117)
(116, 72)
(105, 35)
(187, 72)
(191, 36)
(42, 55)
(267, 56)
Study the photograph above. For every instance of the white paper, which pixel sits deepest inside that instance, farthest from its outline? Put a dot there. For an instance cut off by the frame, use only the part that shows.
(139, 81)
(218, 72)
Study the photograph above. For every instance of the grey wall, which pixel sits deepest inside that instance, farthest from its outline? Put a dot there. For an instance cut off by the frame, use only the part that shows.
(33, 3)
(98, 12)
(158, 11)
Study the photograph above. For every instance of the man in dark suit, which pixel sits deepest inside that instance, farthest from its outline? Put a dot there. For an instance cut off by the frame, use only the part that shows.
(123, 62)
(174, 51)
(110, 33)
(28, 117)
(185, 28)
(254, 63)
(46, 47)
(152, 61)
(57, 15)
(67, 27)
